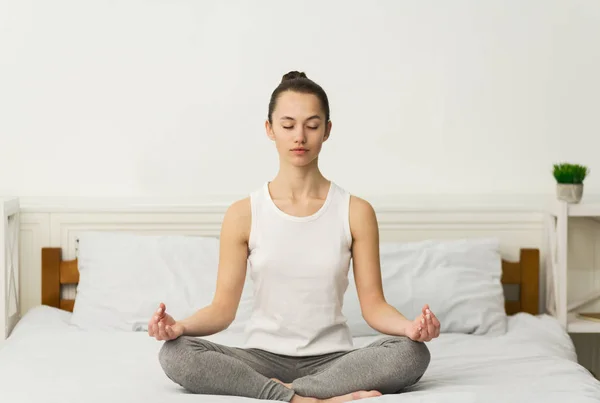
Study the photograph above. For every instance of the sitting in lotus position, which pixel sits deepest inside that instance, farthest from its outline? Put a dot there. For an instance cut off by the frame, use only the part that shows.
(297, 235)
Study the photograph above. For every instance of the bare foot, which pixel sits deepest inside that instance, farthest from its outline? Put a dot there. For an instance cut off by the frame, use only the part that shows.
(287, 385)
(363, 394)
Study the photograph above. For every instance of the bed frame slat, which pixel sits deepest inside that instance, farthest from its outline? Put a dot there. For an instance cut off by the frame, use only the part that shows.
(511, 272)
(523, 274)
(512, 307)
(67, 304)
(55, 273)
(69, 274)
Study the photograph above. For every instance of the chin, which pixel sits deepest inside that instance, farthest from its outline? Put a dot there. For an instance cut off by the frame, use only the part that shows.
(301, 161)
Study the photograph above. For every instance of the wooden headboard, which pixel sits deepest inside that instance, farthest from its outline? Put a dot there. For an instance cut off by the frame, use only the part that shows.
(520, 280)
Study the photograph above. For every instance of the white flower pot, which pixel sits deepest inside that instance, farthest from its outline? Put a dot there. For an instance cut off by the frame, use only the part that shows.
(571, 193)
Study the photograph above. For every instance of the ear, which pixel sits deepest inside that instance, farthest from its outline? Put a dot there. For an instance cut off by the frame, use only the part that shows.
(327, 131)
(269, 130)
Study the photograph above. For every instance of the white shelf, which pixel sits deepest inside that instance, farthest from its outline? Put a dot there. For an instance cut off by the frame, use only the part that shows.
(558, 237)
(586, 208)
(576, 325)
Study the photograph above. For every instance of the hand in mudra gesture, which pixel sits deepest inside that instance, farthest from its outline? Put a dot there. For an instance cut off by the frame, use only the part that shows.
(425, 327)
(162, 326)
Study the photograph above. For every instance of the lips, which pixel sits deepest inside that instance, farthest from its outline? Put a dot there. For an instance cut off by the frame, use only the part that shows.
(299, 150)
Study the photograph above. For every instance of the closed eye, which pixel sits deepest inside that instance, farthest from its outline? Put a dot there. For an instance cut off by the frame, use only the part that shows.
(291, 127)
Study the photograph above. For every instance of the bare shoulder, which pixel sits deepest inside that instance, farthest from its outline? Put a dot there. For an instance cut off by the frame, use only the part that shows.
(363, 219)
(360, 207)
(237, 219)
(240, 209)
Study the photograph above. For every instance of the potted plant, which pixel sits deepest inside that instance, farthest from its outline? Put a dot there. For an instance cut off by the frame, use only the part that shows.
(569, 181)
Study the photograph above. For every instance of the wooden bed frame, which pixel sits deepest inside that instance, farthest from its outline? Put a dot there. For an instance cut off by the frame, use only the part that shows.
(520, 280)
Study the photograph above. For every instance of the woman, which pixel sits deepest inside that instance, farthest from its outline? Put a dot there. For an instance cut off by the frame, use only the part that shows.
(297, 235)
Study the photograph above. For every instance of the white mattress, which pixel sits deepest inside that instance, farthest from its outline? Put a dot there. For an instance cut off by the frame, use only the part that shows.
(46, 360)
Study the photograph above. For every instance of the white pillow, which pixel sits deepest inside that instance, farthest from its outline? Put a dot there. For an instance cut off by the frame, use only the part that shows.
(459, 279)
(124, 277)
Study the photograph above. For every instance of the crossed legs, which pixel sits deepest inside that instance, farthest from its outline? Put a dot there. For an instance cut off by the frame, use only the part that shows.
(387, 365)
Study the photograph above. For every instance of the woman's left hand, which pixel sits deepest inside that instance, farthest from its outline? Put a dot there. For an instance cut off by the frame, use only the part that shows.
(425, 327)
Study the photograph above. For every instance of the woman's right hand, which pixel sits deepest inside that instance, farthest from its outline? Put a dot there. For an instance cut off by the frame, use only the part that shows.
(162, 326)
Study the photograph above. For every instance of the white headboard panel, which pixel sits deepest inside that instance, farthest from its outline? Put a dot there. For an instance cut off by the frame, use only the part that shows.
(515, 229)
(58, 225)
(67, 226)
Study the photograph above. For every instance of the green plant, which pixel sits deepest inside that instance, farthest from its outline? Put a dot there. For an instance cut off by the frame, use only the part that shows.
(570, 173)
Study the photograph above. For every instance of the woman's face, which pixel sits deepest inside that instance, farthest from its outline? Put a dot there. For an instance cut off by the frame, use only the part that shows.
(299, 128)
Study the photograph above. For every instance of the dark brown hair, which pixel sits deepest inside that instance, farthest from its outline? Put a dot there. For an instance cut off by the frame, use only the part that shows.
(298, 82)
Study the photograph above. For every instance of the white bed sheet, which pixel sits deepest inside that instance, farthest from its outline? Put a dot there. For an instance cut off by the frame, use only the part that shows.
(47, 360)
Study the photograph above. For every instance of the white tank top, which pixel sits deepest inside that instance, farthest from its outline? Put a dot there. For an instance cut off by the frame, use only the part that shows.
(299, 269)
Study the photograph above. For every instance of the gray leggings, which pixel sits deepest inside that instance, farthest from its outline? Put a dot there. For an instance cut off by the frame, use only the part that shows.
(387, 365)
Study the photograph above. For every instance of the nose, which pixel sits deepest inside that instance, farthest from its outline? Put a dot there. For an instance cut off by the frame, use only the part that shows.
(300, 136)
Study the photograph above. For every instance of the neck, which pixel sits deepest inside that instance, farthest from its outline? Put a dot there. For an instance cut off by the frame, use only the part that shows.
(298, 182)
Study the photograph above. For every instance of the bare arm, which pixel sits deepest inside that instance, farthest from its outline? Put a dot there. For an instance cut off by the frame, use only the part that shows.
(378, 314)
(233, 256)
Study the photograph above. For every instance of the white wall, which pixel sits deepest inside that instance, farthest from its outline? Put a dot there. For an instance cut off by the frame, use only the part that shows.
(164, 99)
(168, 99)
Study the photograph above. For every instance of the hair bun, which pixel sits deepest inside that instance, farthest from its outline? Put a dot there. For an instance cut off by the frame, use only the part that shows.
(293, 75)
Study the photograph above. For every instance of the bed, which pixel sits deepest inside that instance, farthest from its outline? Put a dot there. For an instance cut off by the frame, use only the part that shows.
(48, 359)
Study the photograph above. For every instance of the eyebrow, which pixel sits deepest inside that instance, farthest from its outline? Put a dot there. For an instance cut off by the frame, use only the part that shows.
(291, 118)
